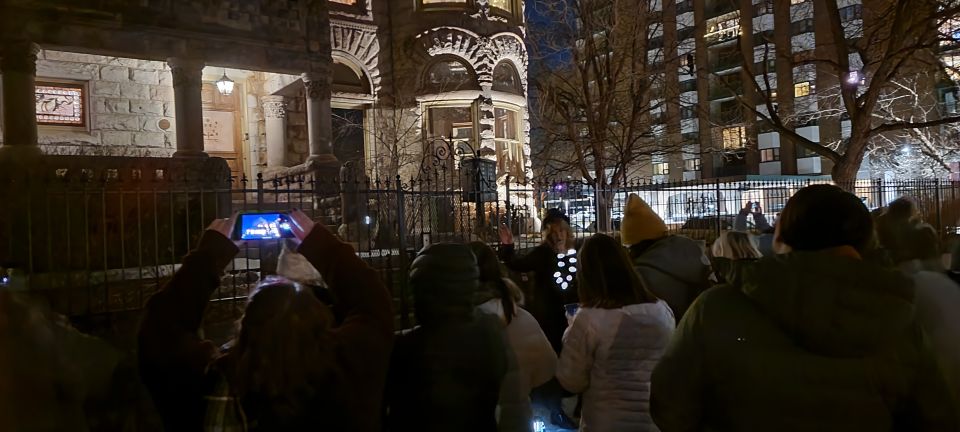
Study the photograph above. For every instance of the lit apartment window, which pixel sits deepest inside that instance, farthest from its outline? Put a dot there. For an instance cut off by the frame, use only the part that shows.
(770, 154)
(509, 148)
(346, 2)
(797, 1)
(441, 3)
(691, 164)
(734, 138)
(454, 123)
(504, 5)
(661, 168)
(802, 89)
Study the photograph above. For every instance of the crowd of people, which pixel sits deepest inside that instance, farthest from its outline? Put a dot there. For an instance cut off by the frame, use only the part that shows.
(832, 319)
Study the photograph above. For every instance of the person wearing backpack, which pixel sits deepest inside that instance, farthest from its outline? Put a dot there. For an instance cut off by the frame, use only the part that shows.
(673, 267)
(290, 368)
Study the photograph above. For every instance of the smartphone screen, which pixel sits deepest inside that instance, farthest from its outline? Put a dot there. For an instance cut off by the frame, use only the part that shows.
(263, 226)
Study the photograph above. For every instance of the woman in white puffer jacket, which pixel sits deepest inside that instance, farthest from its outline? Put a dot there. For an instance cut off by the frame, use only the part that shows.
(614, 341)
(532, 360)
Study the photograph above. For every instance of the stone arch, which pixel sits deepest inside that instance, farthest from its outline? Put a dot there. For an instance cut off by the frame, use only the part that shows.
(510, 47)
(353, 65)
(468, 46)
(426, 86)
(507, 66)
(358, 45)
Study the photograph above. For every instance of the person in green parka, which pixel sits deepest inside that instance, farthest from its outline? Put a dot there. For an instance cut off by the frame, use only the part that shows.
(816, 339)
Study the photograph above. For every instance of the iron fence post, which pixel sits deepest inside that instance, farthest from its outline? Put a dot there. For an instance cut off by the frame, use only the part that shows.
(936, 192)
(402, 246)
(719, 225)
(507, 209)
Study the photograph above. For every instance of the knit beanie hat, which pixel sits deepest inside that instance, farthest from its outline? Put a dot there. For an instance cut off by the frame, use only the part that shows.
(444, 278)
(640, 222)
(555, 215)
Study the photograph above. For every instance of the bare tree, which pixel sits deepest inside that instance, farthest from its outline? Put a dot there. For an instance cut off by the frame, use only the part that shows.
(599, 92)
(881, 68)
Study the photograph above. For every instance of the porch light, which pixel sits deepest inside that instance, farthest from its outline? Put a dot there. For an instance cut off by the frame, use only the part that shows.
(225, 84)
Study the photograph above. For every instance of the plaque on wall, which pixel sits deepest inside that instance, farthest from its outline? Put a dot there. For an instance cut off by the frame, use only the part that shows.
(60, 104)
(218, 132)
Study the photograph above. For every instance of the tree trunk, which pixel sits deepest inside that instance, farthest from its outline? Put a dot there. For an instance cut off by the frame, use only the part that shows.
(604, 199)
(845, 174)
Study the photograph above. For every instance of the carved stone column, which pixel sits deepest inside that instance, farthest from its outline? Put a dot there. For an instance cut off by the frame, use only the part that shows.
(319, 114)
(19, 68)
(275, 119)
(187, 79)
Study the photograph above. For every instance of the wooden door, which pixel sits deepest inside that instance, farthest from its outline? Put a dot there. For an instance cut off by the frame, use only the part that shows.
(221, 128)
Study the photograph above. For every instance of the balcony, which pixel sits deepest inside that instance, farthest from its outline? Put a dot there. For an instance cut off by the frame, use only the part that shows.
(725, 87)
(726, 62)
(722, 35)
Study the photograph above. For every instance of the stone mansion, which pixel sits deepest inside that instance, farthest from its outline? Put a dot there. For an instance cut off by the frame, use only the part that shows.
(266, 85)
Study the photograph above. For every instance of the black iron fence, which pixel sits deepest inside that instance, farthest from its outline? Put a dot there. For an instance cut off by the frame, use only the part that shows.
(101, 241)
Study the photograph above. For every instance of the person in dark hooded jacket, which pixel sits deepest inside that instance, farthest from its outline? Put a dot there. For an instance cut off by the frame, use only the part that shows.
(817, 339)
(445, 374)
(674, 267)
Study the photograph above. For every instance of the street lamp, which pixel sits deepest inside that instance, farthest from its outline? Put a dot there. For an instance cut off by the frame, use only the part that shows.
(225, 84)
(856, 78)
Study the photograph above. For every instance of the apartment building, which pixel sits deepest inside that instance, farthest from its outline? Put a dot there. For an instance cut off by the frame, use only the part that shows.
(704, 46)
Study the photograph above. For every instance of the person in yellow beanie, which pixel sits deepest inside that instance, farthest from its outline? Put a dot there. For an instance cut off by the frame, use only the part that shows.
(674, 267)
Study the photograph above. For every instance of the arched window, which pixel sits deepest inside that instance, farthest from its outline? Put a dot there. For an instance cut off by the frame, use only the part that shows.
(449, 75)
(506, 79)
(349, 80)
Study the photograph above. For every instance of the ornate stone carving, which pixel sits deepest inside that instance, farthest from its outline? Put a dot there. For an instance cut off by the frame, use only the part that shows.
(481, 52)
(20, 57)
(186, 72)
(359, 44)
(274, 107)
(317, 85)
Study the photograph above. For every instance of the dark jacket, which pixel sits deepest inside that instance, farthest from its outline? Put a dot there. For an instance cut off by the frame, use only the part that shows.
(764, 229)
(546, 299)
(807, 341)
(728, 271)
(675, 269)
(174, 360)
(447, 377)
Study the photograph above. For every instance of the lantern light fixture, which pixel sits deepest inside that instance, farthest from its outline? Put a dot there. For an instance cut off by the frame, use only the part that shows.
(225, 84)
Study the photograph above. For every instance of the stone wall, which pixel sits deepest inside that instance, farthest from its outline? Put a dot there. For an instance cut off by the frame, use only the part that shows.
(126, 101)
(298, 147)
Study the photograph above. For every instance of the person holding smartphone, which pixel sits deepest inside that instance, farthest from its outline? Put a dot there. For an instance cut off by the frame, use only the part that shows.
(290, 367)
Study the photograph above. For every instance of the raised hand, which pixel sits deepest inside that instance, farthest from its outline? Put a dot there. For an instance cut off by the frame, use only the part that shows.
(225, 227)
(302, 224)
(506, 236)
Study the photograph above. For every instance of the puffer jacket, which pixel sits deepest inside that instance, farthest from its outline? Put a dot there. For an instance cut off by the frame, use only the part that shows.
(819, 341)
(676, 270)
(535, 365)
(938, 310)
(608, 355)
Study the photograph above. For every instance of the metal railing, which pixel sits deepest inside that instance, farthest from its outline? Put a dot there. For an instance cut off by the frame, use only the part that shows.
(103, 242)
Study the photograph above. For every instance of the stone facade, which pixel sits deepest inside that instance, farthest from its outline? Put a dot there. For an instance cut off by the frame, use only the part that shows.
(127, 100)
(390, 46)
